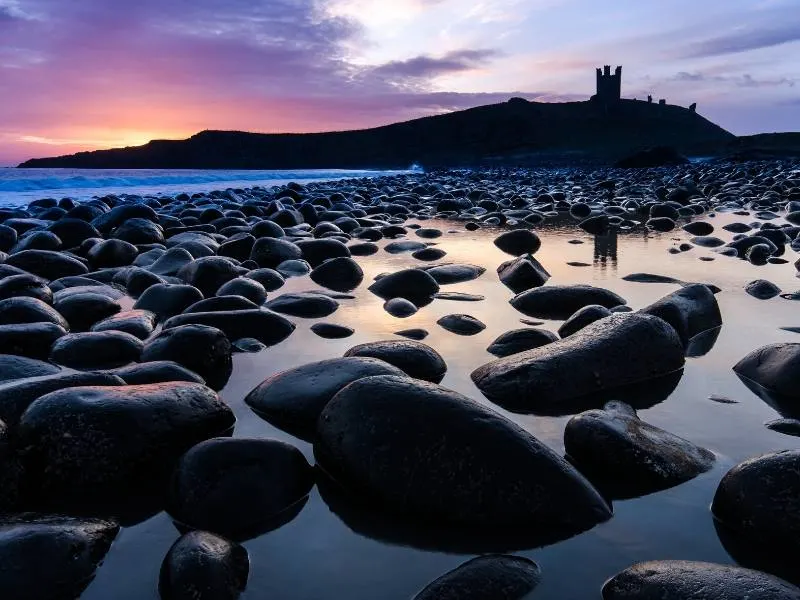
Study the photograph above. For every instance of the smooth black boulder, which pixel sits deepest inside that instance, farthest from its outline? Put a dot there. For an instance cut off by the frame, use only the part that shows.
(267, 327)
(138, 323)
(690, 310)
(96, 350)
(25, 285)
(17, 395)
(24, 309)
(775, 369)
(759, 500)
(294, 399)
(413, 358)
(47, 263)
(400, 308)
(316, 252)
(522, 274)
(98, 448)
(685, 580)
(51, 557)
(33, 340)
(204, 566)
(456, 273)
(208, 274)
(582, 318)
(332, 331)
(490, 577)
(111, 253)
(245, 288)
(626, 457)
(341, 274)
(201, 349)
(562, 301)
(461, 324)
(237, 487)
(699, 228)
(269, 278)
(614, 352)
(84, 309)
(762, 289)
(14, 367)
(167, 299)
(221, 303)
(310, 305)
(157, 371)
(411, 284)
(424, 451)
(518, 242)
(413, 334)
(520, 340)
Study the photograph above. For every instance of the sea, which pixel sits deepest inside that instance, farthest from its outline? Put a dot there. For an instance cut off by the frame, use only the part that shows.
(18, 187)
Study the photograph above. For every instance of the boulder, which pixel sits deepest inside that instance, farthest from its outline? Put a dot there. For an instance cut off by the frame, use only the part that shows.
(682, 580)
(776, 369)
(316, 252)
(201, 349)
(221, 303)
(30, 339)
(411, 284)
(520, 340)
(614, 352)
(112, 253)
(400, 308)
(294, 399)
(47, 264)
(208, 274)
(19, 367)
(246, 288)
(625, 456)
(25, 309)
(157, 371)
(51, 557)
(96, 350)
(495, 577)
(562, 301)
(522, 274)
(341, 274)
(83, 309)
(237, 487)
(461, 324)
(267, 327)
(413, 358)
(204, 566)
(447, 274)
(762, 289)
(269, 252)
(423, 451)
(97, 448)
(518, 242)
(304, 304)
(582, 318)
(332, 331)
(138, 323)
(690, 310)
(25, 285)
(166, 299)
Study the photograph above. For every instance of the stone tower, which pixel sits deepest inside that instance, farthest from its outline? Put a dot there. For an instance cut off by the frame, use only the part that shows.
(609, 87)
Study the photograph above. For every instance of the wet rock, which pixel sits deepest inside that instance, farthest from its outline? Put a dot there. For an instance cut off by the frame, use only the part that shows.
(138, 323)
(236, 487)
(139, 231)
(26, 285)
(208, 274)
(221, 303)
(82, 310)
(707, 241)
(690, 310)
(96, 350)
(613, 352)
(264, 325)
(699, 228)
(428, 233)
(429, 254)
(404, 246)
(363, 249)
(166, 299)
(332, 331)
(101, 447)
(8, 238)
(19, 367)
(304, 304)
(413, 358)
(650, 278)
(626, 457)
(30, 339)
(411, 284)
(159, 371)
(562, 301)
(29, 310)
(447, 274)
(459, 297)
(785, 426)
(51, 557)
(316, 252)
(661, 224)
(461, 324)
(244, 287)
(47, 264)
(171, 262)
(341, 274)
(776, 369)
(679, 580)
(582, 318)
(269, 278)
(112, 253)
(413, 334)
(518, 242)
(204, 566)
(400, 308)
(762, 289)
(201, 349)
(759, 254)
(37, 240)
(16, 395)
(499, 577)
(294, 399)
(520, 340)
(522, 274)
(471, 467)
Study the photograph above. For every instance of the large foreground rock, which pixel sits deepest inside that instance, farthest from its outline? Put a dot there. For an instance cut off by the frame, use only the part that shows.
(204, 566)
(610, 353)
(294, 399)
(624, 456)
(491, 577)
(562, 301)
(759, 499)
(421, 450)
(51, 558)
(237, 487)
(87, 447)
(684, 580)
(690, 310)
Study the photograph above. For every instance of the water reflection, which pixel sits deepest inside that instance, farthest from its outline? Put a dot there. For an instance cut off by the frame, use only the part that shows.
(605, 251)
(769, 558)
(785, 405)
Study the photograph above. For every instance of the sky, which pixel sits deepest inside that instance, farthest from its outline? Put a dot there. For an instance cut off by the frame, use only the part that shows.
(89, 74)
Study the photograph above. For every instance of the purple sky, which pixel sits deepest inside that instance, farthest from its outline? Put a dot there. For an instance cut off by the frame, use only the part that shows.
(87, 74)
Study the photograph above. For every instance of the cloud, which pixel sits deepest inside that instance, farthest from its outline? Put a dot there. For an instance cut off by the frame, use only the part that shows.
(746, 80)
(429, 67)
(743, 40)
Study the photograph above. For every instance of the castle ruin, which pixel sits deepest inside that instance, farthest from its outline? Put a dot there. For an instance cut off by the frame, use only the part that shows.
(609, 87)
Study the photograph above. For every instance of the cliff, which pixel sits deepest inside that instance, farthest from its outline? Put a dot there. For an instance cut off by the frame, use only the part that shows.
(517, 130)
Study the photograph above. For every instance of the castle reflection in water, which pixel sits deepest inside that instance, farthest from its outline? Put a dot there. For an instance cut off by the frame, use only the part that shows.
(605, 251)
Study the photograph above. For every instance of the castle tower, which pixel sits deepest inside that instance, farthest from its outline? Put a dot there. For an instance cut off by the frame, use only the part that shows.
(609, 87)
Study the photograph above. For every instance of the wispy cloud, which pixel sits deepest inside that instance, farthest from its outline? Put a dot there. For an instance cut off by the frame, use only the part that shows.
(745, 39)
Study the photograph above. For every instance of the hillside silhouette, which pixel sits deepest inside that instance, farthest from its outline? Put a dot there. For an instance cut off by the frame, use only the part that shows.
(514, 131)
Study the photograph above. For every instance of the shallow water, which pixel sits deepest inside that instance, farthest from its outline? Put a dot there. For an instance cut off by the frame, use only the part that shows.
(317, 555)
(19, 186)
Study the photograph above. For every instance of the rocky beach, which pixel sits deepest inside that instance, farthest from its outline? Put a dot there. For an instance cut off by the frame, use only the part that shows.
(497, 383)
